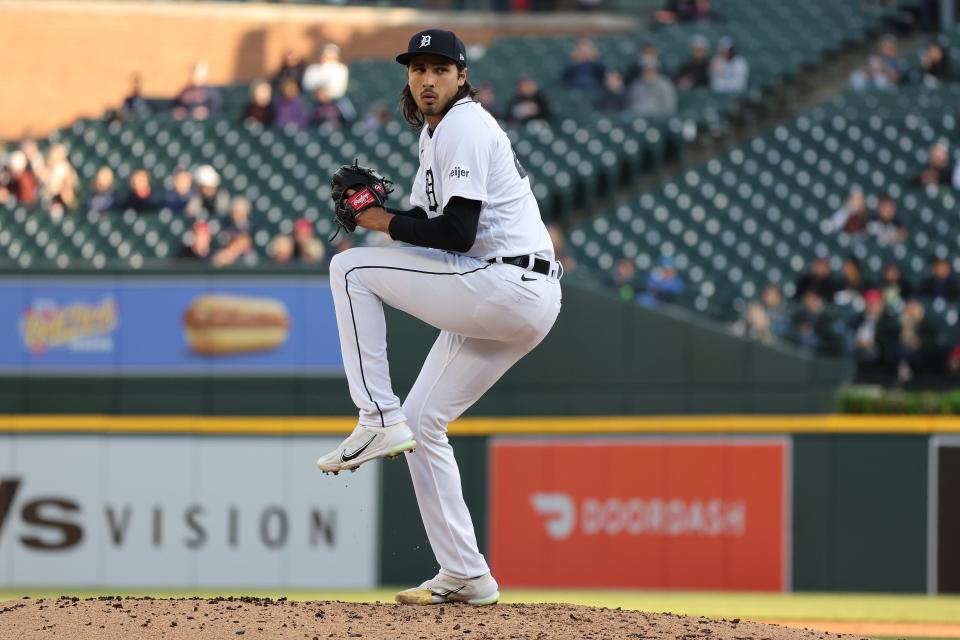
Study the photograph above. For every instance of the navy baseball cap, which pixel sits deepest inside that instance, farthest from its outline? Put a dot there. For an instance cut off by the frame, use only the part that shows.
(437, 42)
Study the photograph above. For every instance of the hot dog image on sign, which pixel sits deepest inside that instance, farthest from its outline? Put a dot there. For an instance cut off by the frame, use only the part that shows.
(216, 325)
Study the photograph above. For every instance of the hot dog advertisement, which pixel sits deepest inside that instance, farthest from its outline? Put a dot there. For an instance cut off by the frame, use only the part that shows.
(149, 325)
(216, 324)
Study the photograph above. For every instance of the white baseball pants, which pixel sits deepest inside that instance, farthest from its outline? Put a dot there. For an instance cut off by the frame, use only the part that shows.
(489, 316)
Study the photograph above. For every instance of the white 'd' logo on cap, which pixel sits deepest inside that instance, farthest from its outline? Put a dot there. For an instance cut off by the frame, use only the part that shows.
(424, 41)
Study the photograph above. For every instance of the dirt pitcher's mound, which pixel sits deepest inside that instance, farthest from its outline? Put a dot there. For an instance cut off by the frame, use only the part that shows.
(111, 618)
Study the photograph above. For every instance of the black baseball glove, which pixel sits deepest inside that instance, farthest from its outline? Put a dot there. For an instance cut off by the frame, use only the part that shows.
(354, 189)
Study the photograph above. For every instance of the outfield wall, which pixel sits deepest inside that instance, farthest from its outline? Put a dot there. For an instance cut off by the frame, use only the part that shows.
(823, 503)
(122, 344)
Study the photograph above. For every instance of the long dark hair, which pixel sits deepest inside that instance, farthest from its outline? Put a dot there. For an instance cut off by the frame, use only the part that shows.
(411, 112)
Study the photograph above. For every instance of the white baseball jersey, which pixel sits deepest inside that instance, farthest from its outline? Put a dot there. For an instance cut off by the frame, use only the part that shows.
(469, 155)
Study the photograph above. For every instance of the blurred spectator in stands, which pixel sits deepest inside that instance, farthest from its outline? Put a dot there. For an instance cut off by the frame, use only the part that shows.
(290, 110)
(260, 107)
(281, 249)
(648, 53)
(686, 11)
(36, 163)
(695, 72)
(818, 280)
(210, 201)
(584, 70)
(292, 67)
(18, 181)
(613, 96)
(199, 243)
(239, 251)
(238, 220)
(894, 288)
(102, 196)
(197, 100)
(529, 103)
(676, 11)
(953, 360)
(729, 71)
(814, 327)
(754, 323)
(134, 105)
(488, 100)
(330, 73)
(663, 284)
(874, 333)
(852, 284)
(935, 63)
(884, 225)
(776, 309)
(307, 248)
(560, 247)
(919, 348)
(35, 159)
(893, 65)
(60, 183)
(139, 193)
(623, 279)
(882, 70)
(178, 198)
(325, 109)
(652, 95)
(941, 282)
(377, 116)
(766, 320)
(939, 172)
(851, 218)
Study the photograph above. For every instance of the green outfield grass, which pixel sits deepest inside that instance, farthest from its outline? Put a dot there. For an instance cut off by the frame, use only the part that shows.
(756, 606)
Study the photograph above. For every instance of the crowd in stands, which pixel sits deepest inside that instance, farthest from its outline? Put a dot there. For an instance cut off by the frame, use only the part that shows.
(890, 331)
(886, 68)
(662, 284)
(642, 87)
(885, 325)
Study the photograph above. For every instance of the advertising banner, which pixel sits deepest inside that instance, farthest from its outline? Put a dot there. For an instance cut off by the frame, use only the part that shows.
(168, 325)
(691, 513)
(183, 512)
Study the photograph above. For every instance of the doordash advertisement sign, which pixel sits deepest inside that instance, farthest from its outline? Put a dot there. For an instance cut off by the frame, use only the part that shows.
(681, 513)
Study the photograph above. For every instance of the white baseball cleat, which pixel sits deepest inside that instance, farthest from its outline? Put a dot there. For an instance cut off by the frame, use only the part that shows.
(366, 444)
(444, 589)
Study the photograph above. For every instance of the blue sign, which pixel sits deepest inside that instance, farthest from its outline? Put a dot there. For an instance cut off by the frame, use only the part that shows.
(167, 325)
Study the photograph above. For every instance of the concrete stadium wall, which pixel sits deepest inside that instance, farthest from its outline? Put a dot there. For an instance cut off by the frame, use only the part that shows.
(69, 59)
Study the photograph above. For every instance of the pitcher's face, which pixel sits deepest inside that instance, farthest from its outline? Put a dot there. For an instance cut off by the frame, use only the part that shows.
(434, 81)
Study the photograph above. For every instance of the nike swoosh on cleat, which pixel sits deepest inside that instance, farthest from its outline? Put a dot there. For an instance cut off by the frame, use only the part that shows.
(449, 592)
(346, 457)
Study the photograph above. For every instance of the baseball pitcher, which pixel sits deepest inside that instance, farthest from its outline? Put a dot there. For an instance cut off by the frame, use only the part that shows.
(481, 269)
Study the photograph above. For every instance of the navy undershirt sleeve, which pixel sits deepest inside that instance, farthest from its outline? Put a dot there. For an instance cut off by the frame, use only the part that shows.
(416, 213)
(454, 230)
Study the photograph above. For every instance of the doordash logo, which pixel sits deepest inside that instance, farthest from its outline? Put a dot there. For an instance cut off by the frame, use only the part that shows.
(636, 516)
